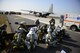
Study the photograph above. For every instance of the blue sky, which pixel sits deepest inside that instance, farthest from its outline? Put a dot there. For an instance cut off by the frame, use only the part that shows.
(59, 6)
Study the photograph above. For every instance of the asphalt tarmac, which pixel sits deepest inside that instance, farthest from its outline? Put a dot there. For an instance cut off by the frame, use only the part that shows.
(71, 45)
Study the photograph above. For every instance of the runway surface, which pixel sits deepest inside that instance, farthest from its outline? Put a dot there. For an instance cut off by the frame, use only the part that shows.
(70, 46)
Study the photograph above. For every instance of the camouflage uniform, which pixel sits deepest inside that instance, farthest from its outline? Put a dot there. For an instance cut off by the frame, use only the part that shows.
(52, 24)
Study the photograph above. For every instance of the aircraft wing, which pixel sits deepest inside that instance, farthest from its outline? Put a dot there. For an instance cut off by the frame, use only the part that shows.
(30, 11)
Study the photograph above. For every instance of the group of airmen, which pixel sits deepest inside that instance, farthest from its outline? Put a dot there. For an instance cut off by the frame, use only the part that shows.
(50, 34)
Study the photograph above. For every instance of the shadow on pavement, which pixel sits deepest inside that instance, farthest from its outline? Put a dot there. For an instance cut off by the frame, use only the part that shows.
(46, 50)
(42, 50)
(70, 44)
(71, 40)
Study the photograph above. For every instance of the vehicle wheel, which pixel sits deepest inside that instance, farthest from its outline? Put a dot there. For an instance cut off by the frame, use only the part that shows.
(73, 28)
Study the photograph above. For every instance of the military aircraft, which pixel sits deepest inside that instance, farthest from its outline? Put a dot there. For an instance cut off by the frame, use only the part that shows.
(42, 14)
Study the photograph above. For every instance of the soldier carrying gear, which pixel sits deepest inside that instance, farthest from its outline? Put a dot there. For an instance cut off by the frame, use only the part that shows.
(44, 27)
(19, 38)
(42, 32)
(37, 23)
(49, 31)
(3, 32)
(20, 34)
(3, 35)
(22, 28)
(52, 23)
(32, 32)
(23, 25)
(58, 33)
(31, 38)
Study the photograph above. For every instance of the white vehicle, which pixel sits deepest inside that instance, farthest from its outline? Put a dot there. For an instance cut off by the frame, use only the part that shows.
(72, 23)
